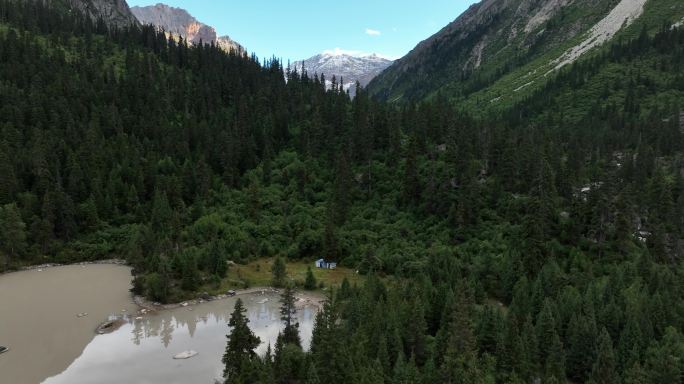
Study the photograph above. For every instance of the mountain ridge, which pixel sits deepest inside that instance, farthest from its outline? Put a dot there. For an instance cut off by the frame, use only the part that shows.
(501, 49)
(178, 22)
(114, 12)
(350, 67)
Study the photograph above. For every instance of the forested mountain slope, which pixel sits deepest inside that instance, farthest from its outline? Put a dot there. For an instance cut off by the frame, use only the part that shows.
(499, 51)
(533, 245)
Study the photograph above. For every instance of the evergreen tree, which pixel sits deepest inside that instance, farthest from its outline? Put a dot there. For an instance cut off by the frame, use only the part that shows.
(412, 187)
(555, 360)
(664, 362)
(330, 241)
(279, 272)
(9, 184)
(546, 329)
(342, 189)
(190, 278)
(12, 233)
(159, 283)
(239, 354)
(635, 375)
(288, 315)
(415, 329)
(529, 345)
(604, 370)
(161, 215)
(254, 202)
(310, 282)
(216, 262)
(404, 372)
(461, 363)
(312, 375)
(581, 347)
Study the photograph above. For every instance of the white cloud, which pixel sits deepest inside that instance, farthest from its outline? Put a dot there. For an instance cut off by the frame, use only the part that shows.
(373, 32)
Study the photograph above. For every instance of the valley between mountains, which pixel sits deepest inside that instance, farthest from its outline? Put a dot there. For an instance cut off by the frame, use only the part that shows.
(502, 204)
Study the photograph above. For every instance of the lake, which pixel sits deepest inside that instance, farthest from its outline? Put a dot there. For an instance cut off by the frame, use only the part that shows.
(49, 343)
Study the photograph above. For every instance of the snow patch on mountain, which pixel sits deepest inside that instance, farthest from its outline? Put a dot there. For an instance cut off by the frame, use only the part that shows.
(622, 15)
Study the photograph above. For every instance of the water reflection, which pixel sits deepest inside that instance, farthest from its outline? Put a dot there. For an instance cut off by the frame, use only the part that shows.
(141, 351)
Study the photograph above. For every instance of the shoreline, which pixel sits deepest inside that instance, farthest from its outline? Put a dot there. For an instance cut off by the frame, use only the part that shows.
(303, 298)
(40, 267)
(146, 307)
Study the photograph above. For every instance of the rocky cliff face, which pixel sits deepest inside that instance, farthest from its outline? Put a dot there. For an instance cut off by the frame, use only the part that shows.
(114, 12)
(494, 37)
(178, 22)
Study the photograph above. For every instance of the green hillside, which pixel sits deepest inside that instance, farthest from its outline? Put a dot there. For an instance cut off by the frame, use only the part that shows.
(511, 68)
(512, 88)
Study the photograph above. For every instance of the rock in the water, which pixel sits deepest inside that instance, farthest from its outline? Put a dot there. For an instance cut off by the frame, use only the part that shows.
(186, 355)
(109, 326)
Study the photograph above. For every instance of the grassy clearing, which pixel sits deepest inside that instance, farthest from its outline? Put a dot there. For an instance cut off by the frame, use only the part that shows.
(258, 274)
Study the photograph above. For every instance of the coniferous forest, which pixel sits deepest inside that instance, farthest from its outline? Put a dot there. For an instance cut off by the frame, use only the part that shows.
(539, 244)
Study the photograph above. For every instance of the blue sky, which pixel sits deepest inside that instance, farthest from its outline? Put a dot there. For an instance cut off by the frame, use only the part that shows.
(298, 29)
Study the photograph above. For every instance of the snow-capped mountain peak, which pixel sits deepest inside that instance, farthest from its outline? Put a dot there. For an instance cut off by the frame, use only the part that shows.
(351, 66)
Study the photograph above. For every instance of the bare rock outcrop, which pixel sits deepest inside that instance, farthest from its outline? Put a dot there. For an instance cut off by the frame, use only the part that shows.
(113, 12)
(177, 22)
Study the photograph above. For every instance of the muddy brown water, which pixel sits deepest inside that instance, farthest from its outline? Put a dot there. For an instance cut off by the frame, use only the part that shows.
(50, 344)
(38, 316)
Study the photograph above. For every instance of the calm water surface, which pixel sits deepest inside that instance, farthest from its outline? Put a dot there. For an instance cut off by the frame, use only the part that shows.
(67, 351)
(142, 350)
(38, 316)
